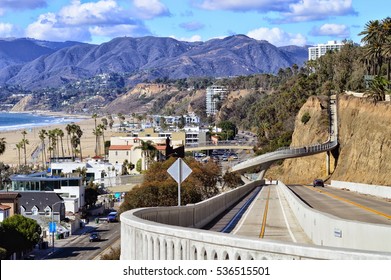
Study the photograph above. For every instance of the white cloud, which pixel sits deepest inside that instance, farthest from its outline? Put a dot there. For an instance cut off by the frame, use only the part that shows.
(7, 30)
(245, 5)
(331, 29)
(308, 10)
(194, 38)
(277, 36)
(147, 9)
(104, 11)
(47, 28)
(80, 21)
(21, 5)
(119, 30)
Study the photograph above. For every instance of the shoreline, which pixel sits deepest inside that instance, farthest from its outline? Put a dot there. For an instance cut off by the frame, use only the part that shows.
(12, 137)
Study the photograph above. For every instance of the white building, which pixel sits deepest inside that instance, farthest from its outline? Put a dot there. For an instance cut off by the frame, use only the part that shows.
(96, 169)
(214, 94)
(321, 49)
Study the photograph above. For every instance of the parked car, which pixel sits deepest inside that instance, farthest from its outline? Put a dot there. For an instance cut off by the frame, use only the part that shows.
(95, 237)
(318, 183)
(112, 217)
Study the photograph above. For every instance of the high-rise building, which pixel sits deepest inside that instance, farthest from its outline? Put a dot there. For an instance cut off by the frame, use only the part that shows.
(214, 94)
(321, 49)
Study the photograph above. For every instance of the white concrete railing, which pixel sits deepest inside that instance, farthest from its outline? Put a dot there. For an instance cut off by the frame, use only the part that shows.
(168, 233)
(328, 230)
(379, 191)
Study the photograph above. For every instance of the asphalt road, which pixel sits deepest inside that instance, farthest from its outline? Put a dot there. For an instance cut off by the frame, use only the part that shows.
(81, 248)
(346, 204)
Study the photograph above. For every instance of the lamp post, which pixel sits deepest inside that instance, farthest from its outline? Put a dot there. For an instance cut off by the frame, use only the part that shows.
(53, 229)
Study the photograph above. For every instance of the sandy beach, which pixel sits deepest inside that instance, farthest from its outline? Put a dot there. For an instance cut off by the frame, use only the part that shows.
(13, 137)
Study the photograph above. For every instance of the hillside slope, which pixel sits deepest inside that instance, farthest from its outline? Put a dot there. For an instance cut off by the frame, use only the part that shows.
(149, 58)
(364, 138)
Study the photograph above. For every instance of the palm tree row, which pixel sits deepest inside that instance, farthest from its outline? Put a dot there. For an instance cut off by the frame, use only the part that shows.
(377, 49)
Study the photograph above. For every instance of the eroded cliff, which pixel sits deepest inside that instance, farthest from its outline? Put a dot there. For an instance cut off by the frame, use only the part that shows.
(364, 143)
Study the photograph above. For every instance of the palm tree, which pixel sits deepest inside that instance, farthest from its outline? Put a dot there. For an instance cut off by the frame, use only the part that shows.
(378, 89)
(68, 128)
(2, 145)
(102, 127)
(94, 116)
(42, 135)
(373, 38)
(79, 134)
(121, 118)
(53, 143)
(148, 152)
(60, 134)
(24, 143)
(111, 121)
(19, 146)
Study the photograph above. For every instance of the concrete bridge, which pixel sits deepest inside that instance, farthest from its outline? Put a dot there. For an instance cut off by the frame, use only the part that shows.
(225, 144)
(175, 233)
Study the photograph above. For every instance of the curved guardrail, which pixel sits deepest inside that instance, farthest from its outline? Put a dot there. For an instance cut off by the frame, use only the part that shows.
(265, 160)
(223, 144)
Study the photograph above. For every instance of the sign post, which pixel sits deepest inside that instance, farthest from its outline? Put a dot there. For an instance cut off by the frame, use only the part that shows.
(179, 170)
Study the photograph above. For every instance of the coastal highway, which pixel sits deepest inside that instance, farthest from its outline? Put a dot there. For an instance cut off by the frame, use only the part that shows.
(269, 216)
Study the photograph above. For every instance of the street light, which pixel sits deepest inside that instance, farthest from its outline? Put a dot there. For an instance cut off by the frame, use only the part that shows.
(52, 228)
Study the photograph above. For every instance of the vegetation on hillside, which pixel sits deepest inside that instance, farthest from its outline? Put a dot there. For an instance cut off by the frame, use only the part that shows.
(18, 234)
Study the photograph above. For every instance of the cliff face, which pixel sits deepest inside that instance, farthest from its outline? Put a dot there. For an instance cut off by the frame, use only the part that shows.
(364, 138)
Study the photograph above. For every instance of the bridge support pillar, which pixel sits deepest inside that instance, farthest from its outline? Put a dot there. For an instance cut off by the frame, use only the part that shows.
(261, 174)
(330, 163)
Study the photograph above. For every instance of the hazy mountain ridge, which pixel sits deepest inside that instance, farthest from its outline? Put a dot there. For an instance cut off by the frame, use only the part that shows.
(146, 58)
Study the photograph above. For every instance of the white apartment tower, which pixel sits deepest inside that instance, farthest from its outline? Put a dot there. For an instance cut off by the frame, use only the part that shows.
(214, 94)
(321, 49)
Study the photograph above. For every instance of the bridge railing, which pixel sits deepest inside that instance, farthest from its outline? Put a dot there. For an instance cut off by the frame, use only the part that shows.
(288, 152)
(220, 143)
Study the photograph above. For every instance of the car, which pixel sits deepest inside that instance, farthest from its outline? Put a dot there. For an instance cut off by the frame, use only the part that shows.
(94, 236)
(112, 217)
(318, 183)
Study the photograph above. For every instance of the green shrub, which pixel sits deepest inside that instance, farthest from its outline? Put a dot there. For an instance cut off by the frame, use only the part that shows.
(305, 117)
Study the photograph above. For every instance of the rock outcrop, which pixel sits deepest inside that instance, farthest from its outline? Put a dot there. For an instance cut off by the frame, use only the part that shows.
(364, 154)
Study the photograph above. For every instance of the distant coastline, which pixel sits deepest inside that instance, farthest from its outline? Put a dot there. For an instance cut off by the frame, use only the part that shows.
(10, 121)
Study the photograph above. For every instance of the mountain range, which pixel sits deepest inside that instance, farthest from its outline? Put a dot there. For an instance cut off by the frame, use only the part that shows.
(34, 64)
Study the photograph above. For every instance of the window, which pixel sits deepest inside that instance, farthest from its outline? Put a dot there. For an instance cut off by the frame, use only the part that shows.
(48, 211)
(34, 210)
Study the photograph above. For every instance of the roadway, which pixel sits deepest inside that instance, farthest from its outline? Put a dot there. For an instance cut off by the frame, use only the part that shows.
(270, 217)
(80, 248)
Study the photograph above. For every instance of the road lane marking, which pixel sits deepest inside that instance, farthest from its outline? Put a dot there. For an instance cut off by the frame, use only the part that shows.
(285, 218)
(352, 202)
(244, 218)
(263, 227)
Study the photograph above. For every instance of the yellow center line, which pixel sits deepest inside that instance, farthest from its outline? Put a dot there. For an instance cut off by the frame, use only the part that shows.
(351, 202)
(262, 234)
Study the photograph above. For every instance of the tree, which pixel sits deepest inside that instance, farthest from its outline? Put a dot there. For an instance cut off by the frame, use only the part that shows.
(18, 234)
(19, 146)
(42, 135)
(24, 143)
(91, 194)
(148, 152)
(95, 116)
(5, 171)
(378, 89)
(60, 134)
(232, 180)
(2, 145)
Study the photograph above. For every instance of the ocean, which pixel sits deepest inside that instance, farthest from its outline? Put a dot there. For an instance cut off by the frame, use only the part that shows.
(13, 121)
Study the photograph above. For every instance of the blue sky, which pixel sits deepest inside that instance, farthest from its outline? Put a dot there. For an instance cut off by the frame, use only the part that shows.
(281, 22)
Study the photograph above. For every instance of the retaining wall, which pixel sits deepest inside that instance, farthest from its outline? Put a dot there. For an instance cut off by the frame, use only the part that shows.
(171, 233)
(327, 230)
(380, 191)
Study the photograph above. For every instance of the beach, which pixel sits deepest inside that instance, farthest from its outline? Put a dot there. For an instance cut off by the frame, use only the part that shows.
(12, 137)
